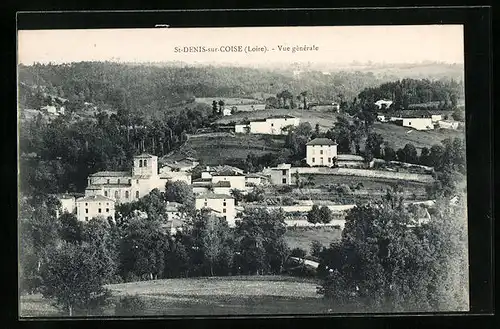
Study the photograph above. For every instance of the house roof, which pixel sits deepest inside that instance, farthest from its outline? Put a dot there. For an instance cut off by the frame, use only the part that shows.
(255, 176)
(214, 196)
(94, 198)
(321, 141)
(111, 174)
(144, 155)
(202, 180)
(222, 183)
(227, 173)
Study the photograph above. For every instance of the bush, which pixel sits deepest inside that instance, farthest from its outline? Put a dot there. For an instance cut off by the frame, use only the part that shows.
(344, 189)
(316, 248)
(298, 252)
(287, 201)
(130, 305)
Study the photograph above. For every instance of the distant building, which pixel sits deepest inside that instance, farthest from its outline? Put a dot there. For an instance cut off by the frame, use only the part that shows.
(281, 174)
(222, 187)
(50, 109)
(447, 124)
(436, 117)
(184, 164)
(201, 185)
(226, 111)
(321, 152)
(382, 118)
(382, 103)
(273, 125)
(123, 186)
(92, 206)
(237, 180)
(418, 123)
(336, 106)
(220, 205)
(68, 204)
(255, 180)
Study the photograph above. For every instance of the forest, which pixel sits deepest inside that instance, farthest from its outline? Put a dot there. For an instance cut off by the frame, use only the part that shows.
(408, 92)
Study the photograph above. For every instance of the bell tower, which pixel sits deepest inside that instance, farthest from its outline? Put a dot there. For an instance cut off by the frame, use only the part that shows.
(145, 165)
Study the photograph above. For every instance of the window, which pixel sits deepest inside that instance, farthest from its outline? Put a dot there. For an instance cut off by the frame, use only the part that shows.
(129, 181)
(321, 160)
(206, 204)
(107, 181)
(118, 180)
(409, 123)
(99, 210)
(116, 194)
(272, 124)
(329, 160)
(126, 194)
(107, 209)
(321, 152)
(145, 163)
(224, 203)
(283, 171)
(137, 181)
(105, 193)
(137, 194)
(86, 204)
(86, 210)
(86, 219)
(140, 163)
(99, 203)
(107, 203)
(224, 210)
(312, 159)
(283, 180)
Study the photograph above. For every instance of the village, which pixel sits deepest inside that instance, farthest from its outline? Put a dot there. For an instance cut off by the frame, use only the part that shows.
(217, 186)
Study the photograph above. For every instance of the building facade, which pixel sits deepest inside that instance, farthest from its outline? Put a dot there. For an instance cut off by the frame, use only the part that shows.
(418, 123)
(221, 205)
(274, 125)
(281, 174)
(321, 152)
(92, 206)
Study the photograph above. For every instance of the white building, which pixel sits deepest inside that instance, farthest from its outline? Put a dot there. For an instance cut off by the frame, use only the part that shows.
(321, 152)
(226, 111)
(255, 180)
(123, 186)
(436, 117)
(222, 187)
(50, 109)
(418, 123)
(382, 103)
(221, 205)
(281, 175)
(446, 124)
(201, 185)
(185, 164)
(274, 125)
(68, 204)
(236, 179)
(92, 206)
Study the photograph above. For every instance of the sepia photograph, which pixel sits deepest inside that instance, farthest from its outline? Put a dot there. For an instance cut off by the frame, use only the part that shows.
(241, 171)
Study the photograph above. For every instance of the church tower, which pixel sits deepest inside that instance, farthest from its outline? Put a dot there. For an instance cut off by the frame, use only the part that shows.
(145, 165)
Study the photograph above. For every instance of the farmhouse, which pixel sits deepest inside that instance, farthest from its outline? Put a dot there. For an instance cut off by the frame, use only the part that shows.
(418, 123)
(123, 186)
(382, 103)
(221, 205)
(321, 152)
(273, 125)
(281, 175)
(447, 124)
(92, 206)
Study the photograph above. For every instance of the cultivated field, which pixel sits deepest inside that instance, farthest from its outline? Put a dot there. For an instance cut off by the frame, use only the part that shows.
(237, 295)
(214, 149)
(227, 100)
(323, 118)
(399, 136)
(302, 237)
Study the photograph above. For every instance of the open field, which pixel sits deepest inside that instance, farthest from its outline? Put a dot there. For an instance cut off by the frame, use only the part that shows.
(216, 148)
(237, 295)
(325, 119)
(227, 100)
(400, 136)
(302, 237)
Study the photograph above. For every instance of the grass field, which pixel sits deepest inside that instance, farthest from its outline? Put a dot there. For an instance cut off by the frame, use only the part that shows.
(400, 136)
(237, 295)
(216, 149)
(302, 237)
(323, 118)
(227, 100)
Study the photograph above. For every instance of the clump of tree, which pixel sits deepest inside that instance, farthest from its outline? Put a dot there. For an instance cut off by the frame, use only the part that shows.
(318, 215)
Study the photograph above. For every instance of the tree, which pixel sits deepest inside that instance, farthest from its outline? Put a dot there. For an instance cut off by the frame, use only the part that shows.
(221, 106)
(178, 191)
(316, 248)
(215, 111)
(71, 277)
(410, 152)
(71, 228)
(304, 95)
(374, 143)
(298, 252)
(260, 241)
(237, 195)
(325, 215)
(424, 158)
(389, 154)
(314, 215)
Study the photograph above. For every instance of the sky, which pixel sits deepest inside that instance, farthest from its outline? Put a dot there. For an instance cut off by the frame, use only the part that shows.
(378, 44)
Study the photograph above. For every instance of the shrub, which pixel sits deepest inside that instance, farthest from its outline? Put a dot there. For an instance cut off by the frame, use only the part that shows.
(316, 248)
(298, 252)
(130, 305)
(287, 201)
(344, 189)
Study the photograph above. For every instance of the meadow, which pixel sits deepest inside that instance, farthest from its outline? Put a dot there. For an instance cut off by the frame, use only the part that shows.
(234, 295)
(302, 237)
